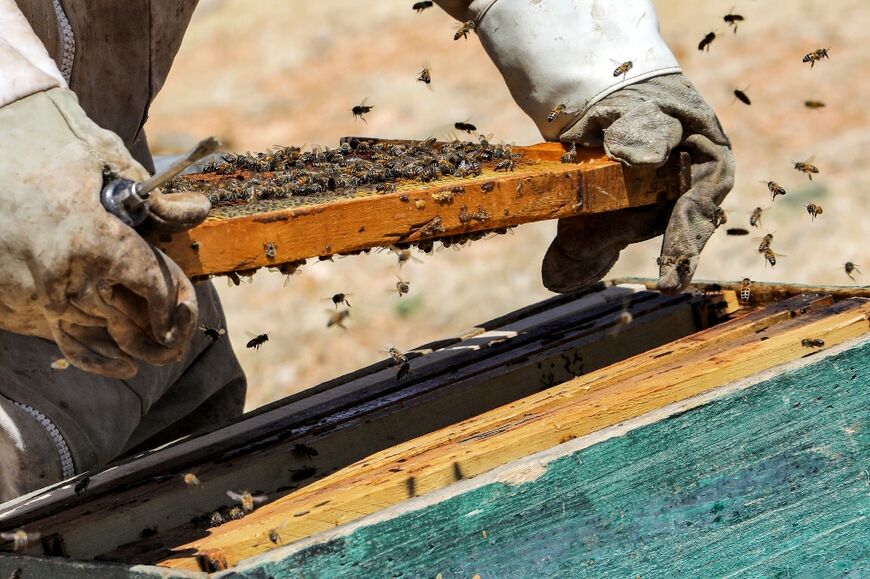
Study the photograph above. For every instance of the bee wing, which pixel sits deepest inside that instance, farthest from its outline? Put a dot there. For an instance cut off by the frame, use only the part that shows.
(7, 536)
(234, 495)
(260, 499)
(810, 159)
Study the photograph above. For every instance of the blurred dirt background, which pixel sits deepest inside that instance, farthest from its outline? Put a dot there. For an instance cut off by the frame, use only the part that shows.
(258, 74)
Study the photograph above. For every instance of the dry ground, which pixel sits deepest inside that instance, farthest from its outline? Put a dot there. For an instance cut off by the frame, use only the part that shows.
(260, 73)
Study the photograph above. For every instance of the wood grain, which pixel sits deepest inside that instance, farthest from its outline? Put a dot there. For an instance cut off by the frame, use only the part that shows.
(540, 188)
(674, 372)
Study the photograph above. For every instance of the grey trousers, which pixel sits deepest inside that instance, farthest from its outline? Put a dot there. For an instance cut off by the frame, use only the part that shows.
(55, 423)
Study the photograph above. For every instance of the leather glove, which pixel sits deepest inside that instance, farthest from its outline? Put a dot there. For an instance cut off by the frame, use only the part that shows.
(640, 125)
(71, 272)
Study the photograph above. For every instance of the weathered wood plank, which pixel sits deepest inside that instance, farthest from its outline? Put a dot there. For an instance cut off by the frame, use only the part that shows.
(767, 481)
(599, 399)
(540, 188)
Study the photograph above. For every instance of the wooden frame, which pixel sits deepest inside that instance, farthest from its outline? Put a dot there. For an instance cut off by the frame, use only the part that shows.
(540, 188)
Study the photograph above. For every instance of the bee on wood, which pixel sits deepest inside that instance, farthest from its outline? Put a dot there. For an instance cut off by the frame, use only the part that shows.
(402, 286)
(706, 42)
(464, 30)
(742, 97)
(571, 155)
(270, 250)
(557, 112)
(807, 167)
(360, 110)
(774, 189)
(812, 343)
(338, 318)
(506, 165)
(465, 127)
(82, 485)
(816, 56)
(215, 519)
(247, 500)
(397, 355)
(733, 19)
(60, 364)
(257, 341)
(719, 217)
(425, 76)
(814, 104)
(745, 289)
(273, 533)
(213, 333)
(339, 298)
(235, 513)
(683, 265)
(851, 267)
(191, 480)
(20, 538)
(755, 218)
(814, 210)
(420, 6)
(385, 188)
(622, 69)
(487, 187)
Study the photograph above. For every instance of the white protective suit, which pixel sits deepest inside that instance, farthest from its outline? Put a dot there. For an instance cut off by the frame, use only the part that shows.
(76, 80)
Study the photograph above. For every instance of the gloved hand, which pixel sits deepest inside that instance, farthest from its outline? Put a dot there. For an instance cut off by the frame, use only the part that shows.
(640, 125)
(69, 271)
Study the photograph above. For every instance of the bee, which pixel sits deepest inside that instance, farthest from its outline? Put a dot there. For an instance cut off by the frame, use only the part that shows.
(506, 165)
(622, 69)
(339, 298)
(816, 56)
(765, 243)
(684, 264)
(733, 19)
(742, 97)
(82, 485)
(235, 513)
(305, 451)
(720, 217)
(814, 210)
(814, 104)
(664, 260)
(257, 341)
(385, 188)
(812, 343)
(745, 289)
(191, 480)
(850, 267)
(465, 127)
(425, 76)
(571, 155)
(20, 538)
(273, 533)
(402, 286)
(774, 189)
(213, 333)
(707, 41)
(360, 110)
(60, 364)
(420, 6)
(464, 30)
(404, 255)
(247, 500)
(770, 256)
(557, 112)
(338, 318)
(807, 167)
(755, 218)
(397, 355)
(216, 519)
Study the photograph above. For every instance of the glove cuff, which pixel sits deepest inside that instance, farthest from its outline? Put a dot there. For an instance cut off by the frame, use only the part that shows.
(555, 52)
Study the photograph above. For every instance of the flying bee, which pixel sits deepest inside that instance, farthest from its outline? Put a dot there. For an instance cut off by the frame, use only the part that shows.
(774, 189)
(191, 480)
(816, 56)
(622, 69)
(338, 318)
(765, 242)
(807, 167)
(557, 112)
(360, 110)
(465, 127)
(420, 6)
(464, 30)
(20, 538)
(247, 500)
(213, 333)
(397, 355)
(257, 341)
(770, 256)
(425, 76)
(733, 19)
(570, 156)
(745, 289)
(742, 97)
(402, 286)
(707, 41)
(814, 104)
(812, 343)
(404, 255)
(338, 299)
(506, 165)
(755, 218)
(850, 267)
(814, 210)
